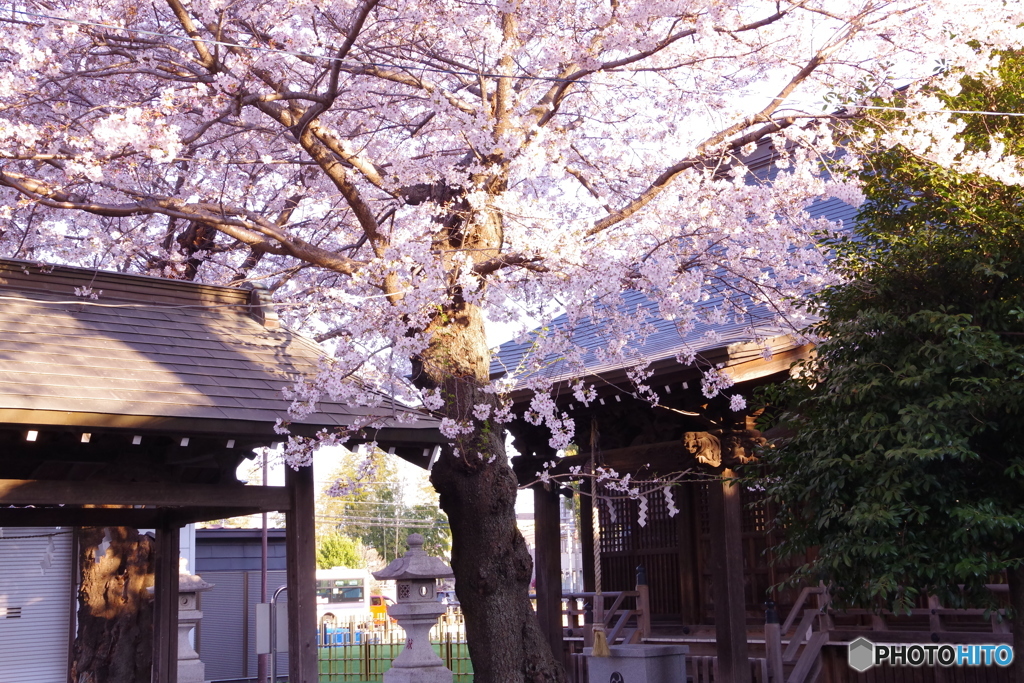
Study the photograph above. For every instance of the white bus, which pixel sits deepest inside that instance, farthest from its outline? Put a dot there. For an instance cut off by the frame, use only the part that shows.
(342, 594)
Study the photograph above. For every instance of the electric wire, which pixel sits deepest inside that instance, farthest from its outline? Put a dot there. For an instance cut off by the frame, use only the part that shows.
(292, 53)
(420, 67)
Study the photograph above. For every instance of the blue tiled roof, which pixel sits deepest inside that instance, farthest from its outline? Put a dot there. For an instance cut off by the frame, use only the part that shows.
(667, 340)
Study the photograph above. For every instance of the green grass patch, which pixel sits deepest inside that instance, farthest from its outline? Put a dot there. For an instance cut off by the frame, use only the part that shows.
(367, 662)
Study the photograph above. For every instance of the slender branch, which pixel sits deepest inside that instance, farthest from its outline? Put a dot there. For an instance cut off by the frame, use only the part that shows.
(319, 108)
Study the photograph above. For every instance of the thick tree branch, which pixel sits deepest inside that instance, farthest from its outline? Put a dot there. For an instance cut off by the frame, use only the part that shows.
(532, 263)
(244, 226)
(206, 58)
(709, 149)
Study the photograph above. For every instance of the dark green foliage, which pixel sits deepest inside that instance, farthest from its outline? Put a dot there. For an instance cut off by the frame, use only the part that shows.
(906, 470)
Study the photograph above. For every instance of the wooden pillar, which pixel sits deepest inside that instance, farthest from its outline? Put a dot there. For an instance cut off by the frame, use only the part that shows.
(726, 514)
(300, 549)
(688, 533)
(586, 508)
(165, 605)
(548, 564)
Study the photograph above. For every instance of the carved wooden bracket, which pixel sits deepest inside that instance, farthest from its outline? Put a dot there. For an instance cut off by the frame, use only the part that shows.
(730, 448)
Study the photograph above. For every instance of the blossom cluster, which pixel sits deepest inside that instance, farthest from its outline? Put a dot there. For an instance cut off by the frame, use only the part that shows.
(580, 172)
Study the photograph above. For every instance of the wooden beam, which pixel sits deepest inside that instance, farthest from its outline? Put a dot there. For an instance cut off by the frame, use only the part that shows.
(74, 516)
(182, 426)
(253, 432)
(191, 515)
(726, 512)
(160, 494)
(548, 565)
(300, 550)
(759, 367)
(663, 457)
(165, 607)
(140, 518)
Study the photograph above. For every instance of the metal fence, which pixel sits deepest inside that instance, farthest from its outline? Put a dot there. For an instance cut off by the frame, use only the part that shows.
(360, 652)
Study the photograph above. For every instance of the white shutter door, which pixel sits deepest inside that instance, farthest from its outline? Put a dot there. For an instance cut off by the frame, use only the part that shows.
(35, 594)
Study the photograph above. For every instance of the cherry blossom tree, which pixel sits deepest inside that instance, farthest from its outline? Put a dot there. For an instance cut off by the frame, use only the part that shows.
(398, 173)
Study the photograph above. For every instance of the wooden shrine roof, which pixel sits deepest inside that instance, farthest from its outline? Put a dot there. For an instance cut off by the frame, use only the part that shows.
(151, 353)
(731, 342)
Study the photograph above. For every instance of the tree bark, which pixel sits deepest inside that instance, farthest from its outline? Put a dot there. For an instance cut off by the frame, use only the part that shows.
(477, 490)
(115, 611)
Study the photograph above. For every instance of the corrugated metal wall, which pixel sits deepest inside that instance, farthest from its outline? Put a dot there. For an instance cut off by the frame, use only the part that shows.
(227, 633)
(35, 594)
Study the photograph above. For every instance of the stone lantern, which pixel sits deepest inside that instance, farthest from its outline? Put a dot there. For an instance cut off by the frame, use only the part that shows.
(190, 668)
(416, 611)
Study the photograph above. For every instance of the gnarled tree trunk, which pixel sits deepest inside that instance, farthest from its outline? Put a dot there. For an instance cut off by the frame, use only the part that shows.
(478, 492)
(115, 611)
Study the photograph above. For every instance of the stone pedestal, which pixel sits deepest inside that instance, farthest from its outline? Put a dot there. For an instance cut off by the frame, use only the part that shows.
(638, 664)
(190, 668)
(417, 663)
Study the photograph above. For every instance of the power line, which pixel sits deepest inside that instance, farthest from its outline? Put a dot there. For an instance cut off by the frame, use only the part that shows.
(433, 70)
(385, 522)
(339, 501)
(420, 67)
(292, 53)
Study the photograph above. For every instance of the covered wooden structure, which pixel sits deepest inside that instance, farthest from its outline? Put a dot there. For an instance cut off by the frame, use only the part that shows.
(130, 401)
(709, 564)
(706, 564)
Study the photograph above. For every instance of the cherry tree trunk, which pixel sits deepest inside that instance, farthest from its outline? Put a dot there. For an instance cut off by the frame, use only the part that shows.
(477, 490)
(114, 643)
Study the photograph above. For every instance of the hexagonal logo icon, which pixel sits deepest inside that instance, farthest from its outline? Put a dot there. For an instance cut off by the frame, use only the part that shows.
(861, 654)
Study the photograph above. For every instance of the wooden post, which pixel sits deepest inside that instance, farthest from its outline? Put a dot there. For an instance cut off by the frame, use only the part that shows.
(165, 603)
(548, 564)
(773, 643)
(300, 552)
(689, 566)
(643, 604)
(727, 576)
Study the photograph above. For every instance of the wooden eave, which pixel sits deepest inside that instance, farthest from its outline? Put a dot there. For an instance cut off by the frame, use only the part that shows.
(743, 362)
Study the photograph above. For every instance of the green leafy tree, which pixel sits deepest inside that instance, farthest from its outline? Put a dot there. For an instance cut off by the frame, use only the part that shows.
(376, 507)
(906, 471)
(336, 550)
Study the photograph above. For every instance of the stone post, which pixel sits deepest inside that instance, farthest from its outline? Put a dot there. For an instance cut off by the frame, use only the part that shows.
(190, 668)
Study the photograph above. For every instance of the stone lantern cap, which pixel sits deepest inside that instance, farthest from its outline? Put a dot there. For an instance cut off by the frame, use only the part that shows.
(414, 565)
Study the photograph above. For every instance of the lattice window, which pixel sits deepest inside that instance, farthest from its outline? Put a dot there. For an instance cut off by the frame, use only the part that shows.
(618, 519)
(755, 511)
